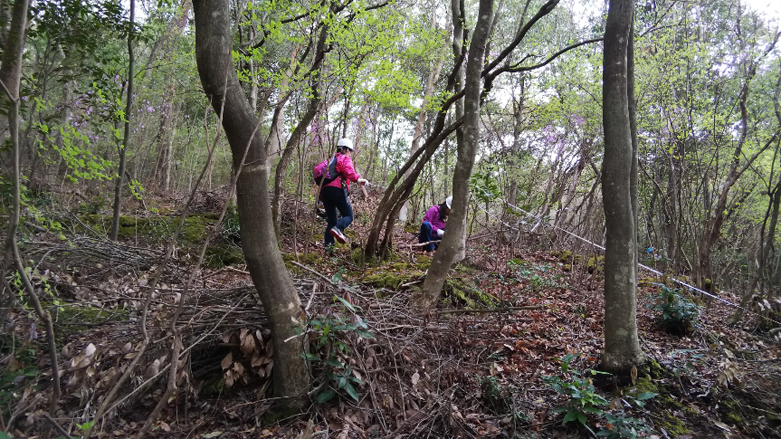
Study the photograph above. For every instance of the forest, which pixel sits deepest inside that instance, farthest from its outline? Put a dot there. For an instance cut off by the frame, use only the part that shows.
(606, 172)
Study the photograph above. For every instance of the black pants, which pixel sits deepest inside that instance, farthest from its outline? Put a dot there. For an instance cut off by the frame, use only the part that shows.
(336, 198)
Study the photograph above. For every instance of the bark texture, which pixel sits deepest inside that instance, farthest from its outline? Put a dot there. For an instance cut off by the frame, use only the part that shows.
(264, 261)
(467, 149)
(622, 347)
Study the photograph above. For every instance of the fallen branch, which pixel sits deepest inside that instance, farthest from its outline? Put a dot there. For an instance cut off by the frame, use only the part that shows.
(330, 282)
(422, 244)
(504, 309)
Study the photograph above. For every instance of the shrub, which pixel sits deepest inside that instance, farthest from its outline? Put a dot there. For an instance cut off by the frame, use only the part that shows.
(678, 313)
(584, 402)
(577, 385)
(330, 351)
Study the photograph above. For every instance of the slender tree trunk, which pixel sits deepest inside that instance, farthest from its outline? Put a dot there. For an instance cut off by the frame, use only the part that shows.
(13, 45)
(300, 129)
(467, 150)
(162, 139)
(418, 133)
(264, 261)
(622, 346)
(126, 137)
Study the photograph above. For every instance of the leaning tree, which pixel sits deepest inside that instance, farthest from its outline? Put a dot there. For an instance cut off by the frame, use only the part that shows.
(213, 44)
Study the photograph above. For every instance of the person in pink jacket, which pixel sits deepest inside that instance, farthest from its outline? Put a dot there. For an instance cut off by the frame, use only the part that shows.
(434, 222)
(335, 194)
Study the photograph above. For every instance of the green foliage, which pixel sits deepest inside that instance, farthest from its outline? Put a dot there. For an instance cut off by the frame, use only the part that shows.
(578, 387)
(93, 206)
(622, 426)
(330, 331)
(73, 148)
(584, 402)
(230, 224)
(484, 185)
(136, 189)
(13, 380)
(678, 313)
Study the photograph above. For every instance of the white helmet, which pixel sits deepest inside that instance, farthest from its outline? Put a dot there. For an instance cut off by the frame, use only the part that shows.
(449, 201)
(345, 142)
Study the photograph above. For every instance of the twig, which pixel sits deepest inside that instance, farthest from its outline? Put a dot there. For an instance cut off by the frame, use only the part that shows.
(312, 271)
(422, 244)
(57, 426)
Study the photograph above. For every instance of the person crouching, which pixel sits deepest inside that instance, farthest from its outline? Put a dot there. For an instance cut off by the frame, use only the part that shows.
(433, 226)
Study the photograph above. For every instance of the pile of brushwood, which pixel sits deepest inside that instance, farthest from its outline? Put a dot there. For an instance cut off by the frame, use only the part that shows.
(512, 350)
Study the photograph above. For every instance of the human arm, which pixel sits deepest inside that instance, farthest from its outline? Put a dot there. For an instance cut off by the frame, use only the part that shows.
(344, 167)
(432, 216)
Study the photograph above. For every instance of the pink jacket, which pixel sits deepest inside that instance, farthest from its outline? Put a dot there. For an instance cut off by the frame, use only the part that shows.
(432, 216)
(344, 168)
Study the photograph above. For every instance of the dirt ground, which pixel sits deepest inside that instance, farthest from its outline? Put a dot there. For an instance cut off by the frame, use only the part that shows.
(484, 364)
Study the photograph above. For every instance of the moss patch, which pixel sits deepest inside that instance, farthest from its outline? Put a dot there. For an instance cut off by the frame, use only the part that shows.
(464, 292)
(731, 412)
(392, 275)
(194, 231)
(673, 425)
(308, 259)
(223, 255)
(70, 314)
(596, 264)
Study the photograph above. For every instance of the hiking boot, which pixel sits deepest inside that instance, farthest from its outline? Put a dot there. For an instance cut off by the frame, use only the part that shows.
(338, 235)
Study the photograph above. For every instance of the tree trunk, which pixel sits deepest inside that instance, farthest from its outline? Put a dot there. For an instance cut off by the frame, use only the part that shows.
(418, 134)
(467, 150)
(13, 45)
(622, 347)
(126, 137)
(300, 129)
(264, 261)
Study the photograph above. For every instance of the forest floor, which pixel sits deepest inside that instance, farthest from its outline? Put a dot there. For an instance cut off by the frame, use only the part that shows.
(508, 353)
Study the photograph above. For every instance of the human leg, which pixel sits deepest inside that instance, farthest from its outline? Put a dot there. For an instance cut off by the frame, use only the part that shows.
(327, 195)
(426, 235)
(345, 210)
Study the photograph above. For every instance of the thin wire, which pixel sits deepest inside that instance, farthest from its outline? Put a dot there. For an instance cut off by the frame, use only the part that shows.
(658, 273)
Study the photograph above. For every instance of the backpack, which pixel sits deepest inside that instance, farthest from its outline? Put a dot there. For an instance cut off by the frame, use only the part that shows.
(325, 172)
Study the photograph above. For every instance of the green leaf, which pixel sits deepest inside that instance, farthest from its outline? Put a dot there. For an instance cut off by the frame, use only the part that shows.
(352, 392)
(571, 415)
(310, 357)
(326, 396)
(364, 334)
(347, 304)
(645, 395)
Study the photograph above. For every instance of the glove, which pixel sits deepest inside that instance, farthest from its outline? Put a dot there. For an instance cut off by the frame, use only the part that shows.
(440, 232)
(362, 181)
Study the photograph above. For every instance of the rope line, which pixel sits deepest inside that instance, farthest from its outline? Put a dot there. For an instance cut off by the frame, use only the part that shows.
(658, 273)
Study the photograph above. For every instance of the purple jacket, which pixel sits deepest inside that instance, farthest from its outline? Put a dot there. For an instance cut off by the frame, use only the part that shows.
(432, 216)
(344, 168)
